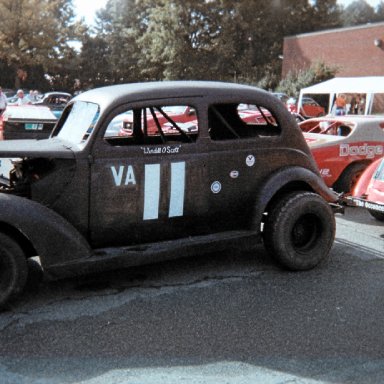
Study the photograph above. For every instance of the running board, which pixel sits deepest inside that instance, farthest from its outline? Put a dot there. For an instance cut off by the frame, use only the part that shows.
(122, 257)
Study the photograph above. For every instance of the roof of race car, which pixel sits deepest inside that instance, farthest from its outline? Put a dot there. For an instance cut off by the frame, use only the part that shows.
(363, 128)
(165, 89)
(349, 118)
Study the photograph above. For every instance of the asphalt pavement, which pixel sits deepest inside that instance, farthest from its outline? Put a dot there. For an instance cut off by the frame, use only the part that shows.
(222, 318)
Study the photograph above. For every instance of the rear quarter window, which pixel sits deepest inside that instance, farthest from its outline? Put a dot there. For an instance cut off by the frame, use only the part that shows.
(241, 121)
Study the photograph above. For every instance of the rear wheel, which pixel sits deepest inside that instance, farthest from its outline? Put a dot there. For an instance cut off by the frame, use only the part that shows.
(349, 177)
(13, 269)
(299, 231)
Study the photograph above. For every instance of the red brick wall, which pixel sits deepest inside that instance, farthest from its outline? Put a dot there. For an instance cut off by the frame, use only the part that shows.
(351, 50)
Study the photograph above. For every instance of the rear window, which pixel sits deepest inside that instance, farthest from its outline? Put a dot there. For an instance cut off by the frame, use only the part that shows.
(241, 121)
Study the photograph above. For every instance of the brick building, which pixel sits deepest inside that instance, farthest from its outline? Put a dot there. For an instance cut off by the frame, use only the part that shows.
(355, 51)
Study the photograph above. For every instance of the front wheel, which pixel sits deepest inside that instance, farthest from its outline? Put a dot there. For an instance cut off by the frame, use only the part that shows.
(299, 230)
(349, 177)
(13, 269)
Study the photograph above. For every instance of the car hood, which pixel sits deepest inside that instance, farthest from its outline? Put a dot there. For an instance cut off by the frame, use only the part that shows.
(318, 139)
(52, 147)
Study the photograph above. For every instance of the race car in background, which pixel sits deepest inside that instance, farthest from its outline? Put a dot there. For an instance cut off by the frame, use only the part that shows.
(344, 146)
(369, 190)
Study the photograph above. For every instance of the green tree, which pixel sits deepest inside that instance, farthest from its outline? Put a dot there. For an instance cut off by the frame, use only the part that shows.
(177, 39)
(294, 82)
(325, 14)
(35, 34)
(211, 39)
(379, 12)
(118, 28)
(358, 12)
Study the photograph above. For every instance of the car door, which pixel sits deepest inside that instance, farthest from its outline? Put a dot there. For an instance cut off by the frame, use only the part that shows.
(146, 187)
(243, 141)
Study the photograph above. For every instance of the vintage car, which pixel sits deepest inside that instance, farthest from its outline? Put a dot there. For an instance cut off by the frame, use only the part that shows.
(55, 101)
(368, 192)
(104, 201)
(26, 122)
(343, 146)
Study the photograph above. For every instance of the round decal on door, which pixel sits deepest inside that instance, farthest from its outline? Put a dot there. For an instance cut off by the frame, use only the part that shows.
(250, 160)
(216, 187)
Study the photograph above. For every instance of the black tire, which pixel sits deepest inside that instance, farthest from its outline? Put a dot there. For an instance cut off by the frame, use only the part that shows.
(13, 269)
(299, 231)
(377, 215)
(349, 177)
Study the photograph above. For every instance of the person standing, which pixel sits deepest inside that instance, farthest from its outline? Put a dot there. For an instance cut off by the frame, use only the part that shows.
(21, 99)
(3, 101)
(341, 104)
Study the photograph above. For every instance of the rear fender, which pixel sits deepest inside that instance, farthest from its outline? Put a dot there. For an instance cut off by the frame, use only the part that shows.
(290, 179)
(54, 238)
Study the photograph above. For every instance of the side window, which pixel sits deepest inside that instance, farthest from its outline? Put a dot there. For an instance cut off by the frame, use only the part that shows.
(153, 125)
(241, 121)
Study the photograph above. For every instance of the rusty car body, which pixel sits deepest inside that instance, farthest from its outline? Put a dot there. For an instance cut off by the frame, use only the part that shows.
(87, 199)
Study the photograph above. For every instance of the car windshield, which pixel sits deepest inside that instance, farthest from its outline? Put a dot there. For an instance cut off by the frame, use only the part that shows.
(79, 122)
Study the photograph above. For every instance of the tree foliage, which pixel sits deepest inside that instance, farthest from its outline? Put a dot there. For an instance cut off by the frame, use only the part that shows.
(211, 39)
(294, 82)
(140, 40)
(35, 34)
(358, 12)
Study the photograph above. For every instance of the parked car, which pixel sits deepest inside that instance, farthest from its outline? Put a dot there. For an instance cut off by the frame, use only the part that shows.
(107, 201)
(309, 107)
(26, 122)
(369, 190)
(55, 101)
(343, 146)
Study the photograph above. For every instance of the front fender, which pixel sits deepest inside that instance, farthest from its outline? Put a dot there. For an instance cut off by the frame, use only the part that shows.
(287, 178)
(53, 237)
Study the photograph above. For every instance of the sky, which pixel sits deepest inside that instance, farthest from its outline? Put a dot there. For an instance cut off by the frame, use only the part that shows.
(88, 8)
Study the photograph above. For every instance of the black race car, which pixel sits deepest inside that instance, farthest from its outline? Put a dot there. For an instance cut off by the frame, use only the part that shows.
(87, 199)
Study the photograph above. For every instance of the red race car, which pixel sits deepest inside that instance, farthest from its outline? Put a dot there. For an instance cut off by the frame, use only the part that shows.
(343, 146)
(369, 190)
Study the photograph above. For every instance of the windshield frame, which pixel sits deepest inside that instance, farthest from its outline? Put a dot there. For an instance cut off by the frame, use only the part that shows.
(77, 123)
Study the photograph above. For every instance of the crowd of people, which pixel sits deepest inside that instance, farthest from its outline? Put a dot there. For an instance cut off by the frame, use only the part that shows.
(353, 105)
